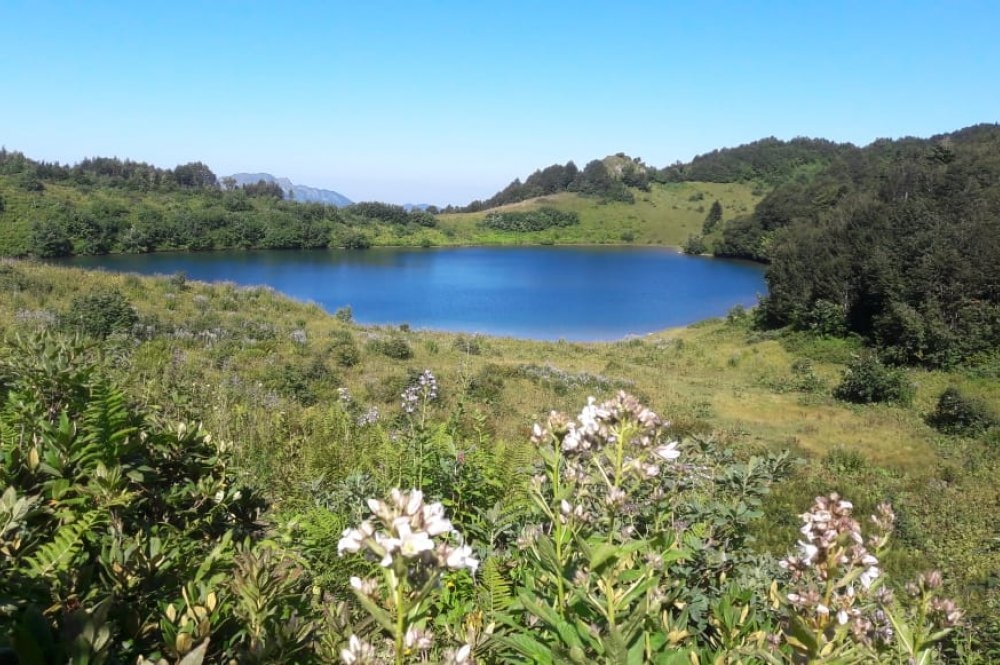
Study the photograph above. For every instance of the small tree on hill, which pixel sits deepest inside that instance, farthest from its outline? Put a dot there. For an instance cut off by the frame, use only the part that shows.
(713, 218)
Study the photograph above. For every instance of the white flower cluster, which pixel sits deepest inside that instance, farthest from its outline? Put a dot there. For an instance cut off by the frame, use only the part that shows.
(600, 425)
(426, 389)
(410, 527)
(369, 417)
(833, 541)
(833, 555)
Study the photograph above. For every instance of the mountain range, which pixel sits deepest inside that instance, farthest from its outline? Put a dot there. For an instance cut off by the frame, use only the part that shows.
(292, 191)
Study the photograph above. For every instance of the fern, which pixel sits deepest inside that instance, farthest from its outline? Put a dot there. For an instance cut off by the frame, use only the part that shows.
(495, 594)
(56, 556)
(105, 428)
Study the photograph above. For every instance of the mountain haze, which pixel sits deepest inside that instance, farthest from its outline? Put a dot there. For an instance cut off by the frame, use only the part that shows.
(292, 191)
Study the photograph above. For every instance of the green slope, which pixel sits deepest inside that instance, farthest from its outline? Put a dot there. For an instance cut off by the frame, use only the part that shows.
(665, 215)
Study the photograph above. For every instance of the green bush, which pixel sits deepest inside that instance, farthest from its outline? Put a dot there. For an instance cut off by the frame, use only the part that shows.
(102, 313)
(394, 347)
(959, 414)
(487, 385)
(695, 244)
(344, 350)
(868, 381)
(471, 345)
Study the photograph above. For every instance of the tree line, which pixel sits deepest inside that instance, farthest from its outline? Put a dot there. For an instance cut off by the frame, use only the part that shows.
(104, 205)
(898, 242)
(597, 180)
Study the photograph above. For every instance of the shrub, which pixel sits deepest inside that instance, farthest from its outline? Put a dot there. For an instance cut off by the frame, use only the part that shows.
(695, 244)
(356, 240)
(345, 314)
(533, 220)
(959, 414)
(343, 349)
(394, 347)
(868, 381)
(102, 313)
(825, 318)
(487, 385)
(471, 345)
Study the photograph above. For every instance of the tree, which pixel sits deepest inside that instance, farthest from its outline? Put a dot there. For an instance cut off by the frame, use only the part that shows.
(195, 175)
(49, 239)
(713, 218)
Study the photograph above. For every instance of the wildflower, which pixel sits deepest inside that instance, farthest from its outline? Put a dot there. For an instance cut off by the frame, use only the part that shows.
(418, 639)
(412, 543)
(462, 656)
(366, 587)
(946, 613)
(357, 652)
(409, 528)
(369, 417)
(425, 389)
(667, 452)
(461, 557)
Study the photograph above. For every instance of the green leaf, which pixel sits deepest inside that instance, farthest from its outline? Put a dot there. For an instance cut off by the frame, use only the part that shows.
(528, 646)
(55, 556)
(377, 612)
(567, 633)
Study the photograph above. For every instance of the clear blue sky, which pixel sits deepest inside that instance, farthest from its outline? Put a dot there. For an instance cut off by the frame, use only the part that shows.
(442, 102)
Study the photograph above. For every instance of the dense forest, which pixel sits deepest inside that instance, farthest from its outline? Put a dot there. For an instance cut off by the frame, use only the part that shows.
(898, 242)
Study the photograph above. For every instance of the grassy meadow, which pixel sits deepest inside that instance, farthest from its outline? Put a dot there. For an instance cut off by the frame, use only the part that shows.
(665, 215)
(267, 374)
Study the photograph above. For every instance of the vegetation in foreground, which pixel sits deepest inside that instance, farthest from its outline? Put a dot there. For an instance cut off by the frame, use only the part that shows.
(613, 536)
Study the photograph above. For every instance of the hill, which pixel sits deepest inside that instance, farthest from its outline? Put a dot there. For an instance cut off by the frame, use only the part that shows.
(104, 205)
(294, 192)
(664, 214)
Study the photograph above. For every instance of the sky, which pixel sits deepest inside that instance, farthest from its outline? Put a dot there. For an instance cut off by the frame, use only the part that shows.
(443, 102)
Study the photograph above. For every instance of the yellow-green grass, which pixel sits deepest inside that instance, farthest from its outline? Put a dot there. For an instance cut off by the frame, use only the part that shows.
(665, 215)
(717, 370)
(714, 378)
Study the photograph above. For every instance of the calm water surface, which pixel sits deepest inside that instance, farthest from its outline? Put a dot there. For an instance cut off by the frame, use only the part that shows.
(573, 293)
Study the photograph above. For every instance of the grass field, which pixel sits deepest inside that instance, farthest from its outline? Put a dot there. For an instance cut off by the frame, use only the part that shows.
(263, 371)
(665, 215)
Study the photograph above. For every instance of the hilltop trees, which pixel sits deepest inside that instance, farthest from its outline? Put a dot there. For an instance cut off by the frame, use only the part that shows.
(905, 241)
(596, 180)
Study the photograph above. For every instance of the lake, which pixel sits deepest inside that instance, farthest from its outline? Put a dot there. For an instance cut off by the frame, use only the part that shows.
(573, 293)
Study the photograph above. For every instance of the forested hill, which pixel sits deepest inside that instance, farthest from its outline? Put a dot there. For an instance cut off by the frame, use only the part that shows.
(769, 161)
(609, 179)
(898, 242)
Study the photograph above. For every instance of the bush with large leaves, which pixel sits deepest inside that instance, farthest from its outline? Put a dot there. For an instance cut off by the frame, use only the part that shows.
(107, 517)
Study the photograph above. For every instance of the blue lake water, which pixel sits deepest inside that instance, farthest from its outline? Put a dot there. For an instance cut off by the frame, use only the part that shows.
(573, 293)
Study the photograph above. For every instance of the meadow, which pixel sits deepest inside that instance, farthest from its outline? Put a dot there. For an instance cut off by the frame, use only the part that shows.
(309, 407)
(667, 215)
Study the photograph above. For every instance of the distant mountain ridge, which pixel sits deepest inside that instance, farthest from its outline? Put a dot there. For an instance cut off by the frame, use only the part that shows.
(292, 191)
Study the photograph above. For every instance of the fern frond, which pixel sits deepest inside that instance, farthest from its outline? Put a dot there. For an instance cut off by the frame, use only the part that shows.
(56, 556)
(495, 594)
(105, 427)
